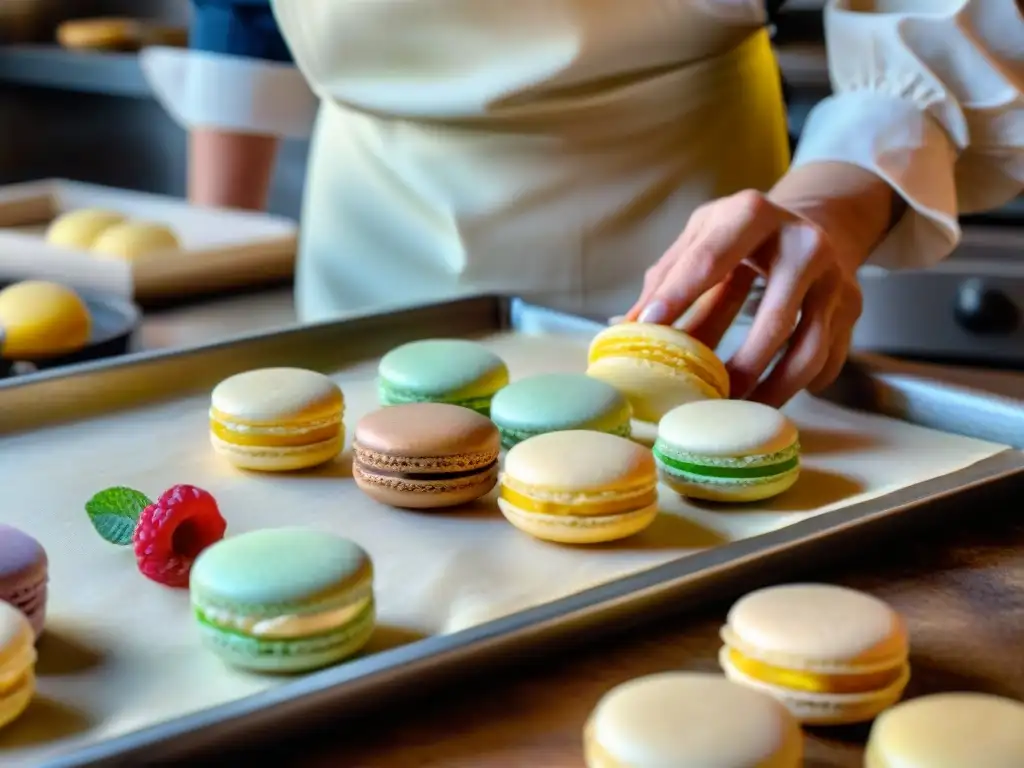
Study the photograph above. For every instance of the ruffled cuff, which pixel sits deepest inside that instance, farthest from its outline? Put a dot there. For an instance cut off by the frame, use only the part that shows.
(907, 148)
(231, 93)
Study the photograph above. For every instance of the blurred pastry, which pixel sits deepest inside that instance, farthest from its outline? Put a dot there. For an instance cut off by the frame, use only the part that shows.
(118, 34)
(81, 229)
(133, 239)
(40, 319)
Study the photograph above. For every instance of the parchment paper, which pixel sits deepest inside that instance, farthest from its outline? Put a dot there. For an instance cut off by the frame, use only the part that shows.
(24, 253)
(121, 653)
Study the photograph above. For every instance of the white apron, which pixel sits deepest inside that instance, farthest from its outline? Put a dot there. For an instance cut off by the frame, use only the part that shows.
(546, 148)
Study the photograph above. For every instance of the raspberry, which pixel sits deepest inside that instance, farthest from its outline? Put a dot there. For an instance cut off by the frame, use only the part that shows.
(171, 533)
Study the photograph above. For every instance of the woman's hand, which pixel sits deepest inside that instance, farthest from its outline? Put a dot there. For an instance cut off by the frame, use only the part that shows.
(807, 245)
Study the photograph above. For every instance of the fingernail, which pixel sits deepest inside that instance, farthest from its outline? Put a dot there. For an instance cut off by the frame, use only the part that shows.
(655, 312)
(616, 319)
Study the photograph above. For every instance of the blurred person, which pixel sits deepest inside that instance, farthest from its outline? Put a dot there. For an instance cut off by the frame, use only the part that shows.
(583, 153)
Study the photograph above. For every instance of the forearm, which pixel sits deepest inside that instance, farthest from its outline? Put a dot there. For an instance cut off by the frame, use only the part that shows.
(230, 170)
(852, 204)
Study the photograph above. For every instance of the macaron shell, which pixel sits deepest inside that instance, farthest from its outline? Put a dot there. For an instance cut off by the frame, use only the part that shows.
(727, 428)
(579, 460)
(579, 529)
(80, 229)
(949, 730)
(14, 703)
(823, 708)
(427, 430)
(651, 390)
(449, 368)
(133, 239)
(274, 395)
(731, 492)
(424, 493)
(677, 719)
(276, 568)
(277, 458)
(817, 627)
(561, 401)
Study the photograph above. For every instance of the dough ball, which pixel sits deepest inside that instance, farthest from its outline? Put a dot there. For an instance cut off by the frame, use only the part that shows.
(40, 319)
(80, 229)
(133, 239)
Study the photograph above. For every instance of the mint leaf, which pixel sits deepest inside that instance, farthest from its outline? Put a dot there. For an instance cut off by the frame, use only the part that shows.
(114, 513)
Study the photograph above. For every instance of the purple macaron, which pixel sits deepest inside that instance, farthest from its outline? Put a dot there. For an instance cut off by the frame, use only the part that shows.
(23, 575)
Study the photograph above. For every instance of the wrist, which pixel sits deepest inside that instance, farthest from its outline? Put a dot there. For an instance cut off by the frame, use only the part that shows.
(853, 206)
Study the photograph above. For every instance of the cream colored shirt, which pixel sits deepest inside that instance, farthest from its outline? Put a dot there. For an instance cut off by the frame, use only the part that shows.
(477, 145)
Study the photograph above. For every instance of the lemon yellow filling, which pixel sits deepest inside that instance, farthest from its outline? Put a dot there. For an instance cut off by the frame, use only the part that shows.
(675, 358)
(272, 439)
(595, 509)
(814, 682)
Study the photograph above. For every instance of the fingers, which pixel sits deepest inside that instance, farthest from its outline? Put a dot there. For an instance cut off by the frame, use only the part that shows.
(809, 349)
(716, 310)
(731, 230)
(802, 257)
(844, 320)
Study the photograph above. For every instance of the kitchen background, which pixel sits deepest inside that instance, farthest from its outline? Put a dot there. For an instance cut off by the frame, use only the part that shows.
(91, 117)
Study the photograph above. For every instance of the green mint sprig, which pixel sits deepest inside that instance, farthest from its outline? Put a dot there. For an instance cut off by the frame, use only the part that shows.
(114, 513)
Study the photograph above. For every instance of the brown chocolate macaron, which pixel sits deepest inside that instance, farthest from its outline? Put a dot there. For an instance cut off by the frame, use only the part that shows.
(425, 455)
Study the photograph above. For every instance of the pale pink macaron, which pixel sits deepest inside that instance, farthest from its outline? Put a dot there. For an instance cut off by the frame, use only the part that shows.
(24, 573)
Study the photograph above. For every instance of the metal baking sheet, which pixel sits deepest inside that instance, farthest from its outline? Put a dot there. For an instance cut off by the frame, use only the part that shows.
(120, 645)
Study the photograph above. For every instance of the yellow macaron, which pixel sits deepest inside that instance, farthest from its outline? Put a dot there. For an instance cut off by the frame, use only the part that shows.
(656, 367)
(832, 655)
(277, 419)
(82, 228)
(39, 319)
(579, 487)
(131, 240)
(17, 663)
(949, 730)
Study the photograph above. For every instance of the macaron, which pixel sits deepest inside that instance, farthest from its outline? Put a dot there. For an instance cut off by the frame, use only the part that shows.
(727, 450)
(283, 599)
(17, 663)
(23, 575)
(676, 719)
(39, 319)
(579, 487)
(949, 730)
(80, 229)
(277, 419)
(553, 402)
(832, 655)
(131, 240)
(425, 455)
(452, 371)
(656, 367)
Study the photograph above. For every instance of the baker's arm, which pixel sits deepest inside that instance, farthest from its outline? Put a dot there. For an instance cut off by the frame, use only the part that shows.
(928, 98)
(236, 91)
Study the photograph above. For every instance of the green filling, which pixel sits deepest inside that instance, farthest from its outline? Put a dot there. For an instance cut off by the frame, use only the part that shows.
(704, 470)
(392, 396)
(511, 437)
(258, 646)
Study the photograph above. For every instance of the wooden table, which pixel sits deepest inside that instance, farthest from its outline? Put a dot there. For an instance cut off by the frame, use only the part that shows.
(961, 589)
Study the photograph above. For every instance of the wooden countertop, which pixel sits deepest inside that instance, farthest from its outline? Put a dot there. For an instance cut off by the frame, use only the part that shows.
(961, 588)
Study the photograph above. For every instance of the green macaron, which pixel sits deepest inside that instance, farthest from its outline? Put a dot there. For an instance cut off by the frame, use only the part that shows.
(284, 599)
(727, 450)
(453, 371)
(553, 402)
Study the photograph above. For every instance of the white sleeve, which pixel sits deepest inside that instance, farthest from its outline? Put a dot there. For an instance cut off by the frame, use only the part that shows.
(928, 95)
(213, 90)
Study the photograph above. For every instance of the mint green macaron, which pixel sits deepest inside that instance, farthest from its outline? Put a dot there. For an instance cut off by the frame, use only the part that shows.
(453, 371)
(284, 599)
(553, 402)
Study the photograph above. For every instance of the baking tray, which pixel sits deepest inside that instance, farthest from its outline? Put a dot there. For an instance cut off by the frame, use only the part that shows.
(90, 391)
(222, 250)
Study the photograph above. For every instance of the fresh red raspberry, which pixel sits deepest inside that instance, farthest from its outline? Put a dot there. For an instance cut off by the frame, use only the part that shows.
(172, 532)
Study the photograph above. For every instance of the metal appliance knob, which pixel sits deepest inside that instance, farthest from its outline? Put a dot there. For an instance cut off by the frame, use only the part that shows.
(985, 310)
